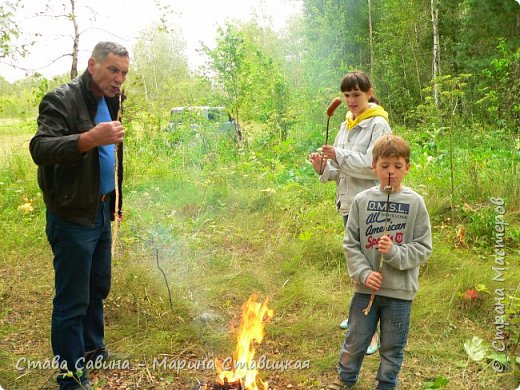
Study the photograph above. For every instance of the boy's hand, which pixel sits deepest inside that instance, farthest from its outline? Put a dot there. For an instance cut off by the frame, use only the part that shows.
(385, 245)
(374, 281)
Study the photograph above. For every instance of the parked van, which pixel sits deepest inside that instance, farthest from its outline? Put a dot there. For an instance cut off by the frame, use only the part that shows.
(196, 116)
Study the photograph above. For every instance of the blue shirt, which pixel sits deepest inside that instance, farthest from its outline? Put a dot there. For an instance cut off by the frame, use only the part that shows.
(106, 152)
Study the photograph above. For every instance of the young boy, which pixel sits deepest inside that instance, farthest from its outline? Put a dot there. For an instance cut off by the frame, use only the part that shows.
(393, 224)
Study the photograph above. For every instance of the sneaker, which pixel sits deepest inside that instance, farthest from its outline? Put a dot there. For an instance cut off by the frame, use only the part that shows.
(374, 345)
(93, 356)
(338, 384)
(344, 324)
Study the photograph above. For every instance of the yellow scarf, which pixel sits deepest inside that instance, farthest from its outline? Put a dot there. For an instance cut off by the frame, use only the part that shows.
(369, 113)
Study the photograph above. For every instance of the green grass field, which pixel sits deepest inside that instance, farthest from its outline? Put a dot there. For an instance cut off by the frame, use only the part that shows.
(222, 228)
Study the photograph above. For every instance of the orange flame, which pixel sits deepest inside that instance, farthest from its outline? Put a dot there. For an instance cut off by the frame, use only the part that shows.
(250, 332)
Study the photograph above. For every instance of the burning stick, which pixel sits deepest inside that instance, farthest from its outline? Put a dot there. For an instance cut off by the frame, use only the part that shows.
(330, 111)
(388, 189)
(117, 219)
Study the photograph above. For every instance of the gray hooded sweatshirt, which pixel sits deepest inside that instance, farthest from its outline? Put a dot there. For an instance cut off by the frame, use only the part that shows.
(409, 229)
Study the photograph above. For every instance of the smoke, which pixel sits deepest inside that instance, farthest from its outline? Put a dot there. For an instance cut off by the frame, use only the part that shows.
(171, 249)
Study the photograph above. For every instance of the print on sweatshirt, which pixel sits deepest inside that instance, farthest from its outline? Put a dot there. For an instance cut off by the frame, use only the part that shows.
(397, 214)
(409, 229)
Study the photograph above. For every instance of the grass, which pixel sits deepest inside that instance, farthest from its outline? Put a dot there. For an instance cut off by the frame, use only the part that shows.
(222, 228)
(14, 135)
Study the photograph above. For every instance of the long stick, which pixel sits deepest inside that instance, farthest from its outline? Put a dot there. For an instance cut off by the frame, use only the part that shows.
(322, 168)
(330, 111)
(116, 182)
(388, 189)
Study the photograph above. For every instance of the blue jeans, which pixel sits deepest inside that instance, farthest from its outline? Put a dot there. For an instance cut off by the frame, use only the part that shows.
(393, 316)
(82, 260)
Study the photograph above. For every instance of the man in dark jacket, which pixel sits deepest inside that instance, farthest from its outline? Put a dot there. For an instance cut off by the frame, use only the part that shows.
(74, 148)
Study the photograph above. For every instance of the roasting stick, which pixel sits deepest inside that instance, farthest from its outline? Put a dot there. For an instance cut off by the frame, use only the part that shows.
(330, 111)
(117, 219)
(388, 189)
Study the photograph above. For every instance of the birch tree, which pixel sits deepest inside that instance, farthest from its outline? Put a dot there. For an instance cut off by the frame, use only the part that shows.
(160, 67)
(370, 40)
(67, 11)
(436, 61)
(75, 41)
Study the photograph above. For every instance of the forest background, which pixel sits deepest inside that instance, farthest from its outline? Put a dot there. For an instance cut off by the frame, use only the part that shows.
(212, 217)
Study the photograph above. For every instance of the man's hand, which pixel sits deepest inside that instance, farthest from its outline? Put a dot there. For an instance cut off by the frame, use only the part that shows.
(105, 133)
(374, 281)
(385, 245)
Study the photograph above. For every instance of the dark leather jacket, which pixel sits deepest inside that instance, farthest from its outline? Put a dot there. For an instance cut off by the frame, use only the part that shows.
(69, 179)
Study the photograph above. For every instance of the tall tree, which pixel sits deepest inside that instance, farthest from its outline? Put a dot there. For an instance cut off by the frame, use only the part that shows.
(436, 63)
(335, 40)
(75, 40)
(370, 39)
(267, 99)
(160, 69)
(402, 53)
(336, 37)
(228, 61)
(66, 11)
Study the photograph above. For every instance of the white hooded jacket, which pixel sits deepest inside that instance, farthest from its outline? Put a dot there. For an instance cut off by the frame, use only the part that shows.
(353, 170)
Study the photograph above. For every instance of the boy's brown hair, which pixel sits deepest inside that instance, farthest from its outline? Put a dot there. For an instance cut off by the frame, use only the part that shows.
(391, 146)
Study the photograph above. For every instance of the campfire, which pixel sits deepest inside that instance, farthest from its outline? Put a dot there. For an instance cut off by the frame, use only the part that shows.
(243, 373)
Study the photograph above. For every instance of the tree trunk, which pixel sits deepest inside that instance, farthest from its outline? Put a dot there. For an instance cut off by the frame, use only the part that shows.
(75, 45)
(370, 40)
(238, 129)
(405, 76)
(417, 66)
(436, 63)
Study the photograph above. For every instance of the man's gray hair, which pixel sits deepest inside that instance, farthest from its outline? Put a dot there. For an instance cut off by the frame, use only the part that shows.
(103, 49)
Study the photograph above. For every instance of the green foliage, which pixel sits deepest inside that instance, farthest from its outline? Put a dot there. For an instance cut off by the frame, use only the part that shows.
(159, 77)
(9, 30)
(41, 89)
(452, 91)
(439, 383)
(475, 348)
(225, 220)
(402, 41)
(251, 78)
(337, 34)
(228, 60)
(500, 93)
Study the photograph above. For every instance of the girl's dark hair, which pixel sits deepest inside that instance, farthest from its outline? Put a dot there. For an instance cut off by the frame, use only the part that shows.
(373, 99)
(357, 81)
